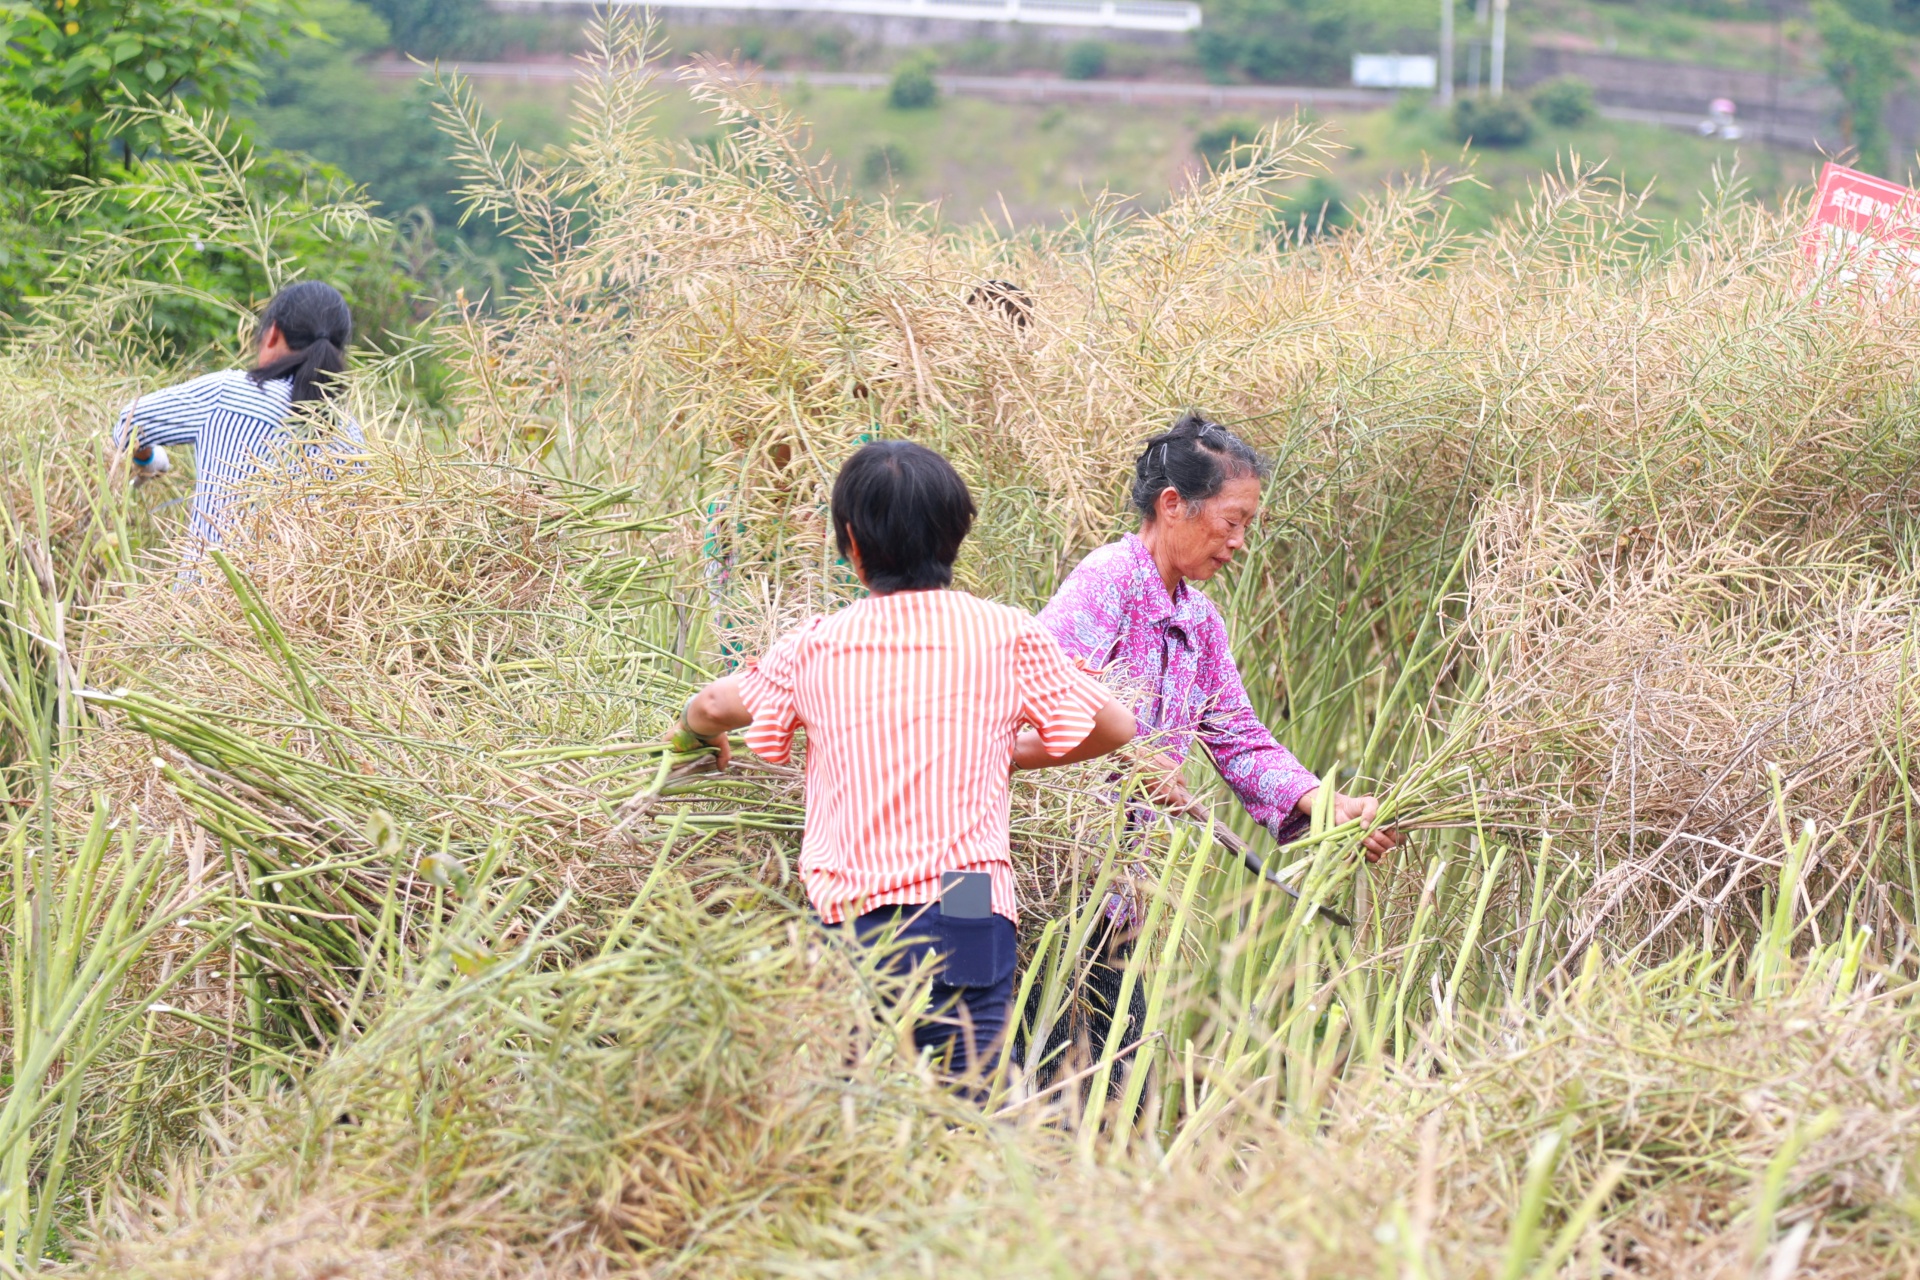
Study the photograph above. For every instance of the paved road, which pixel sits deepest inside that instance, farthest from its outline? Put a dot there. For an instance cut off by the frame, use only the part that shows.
(1010, 88)
(1052, 89)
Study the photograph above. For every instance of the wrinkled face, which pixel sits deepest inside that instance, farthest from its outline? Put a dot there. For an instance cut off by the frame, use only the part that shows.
(1201, 540)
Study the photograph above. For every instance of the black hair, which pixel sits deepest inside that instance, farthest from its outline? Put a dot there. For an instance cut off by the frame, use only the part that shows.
(1195, 458)
(1006, 297)
(317, 326)
(908, 510)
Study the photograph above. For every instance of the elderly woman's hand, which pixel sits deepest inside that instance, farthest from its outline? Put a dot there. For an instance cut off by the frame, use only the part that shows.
(1160, 774)
(1362, 809)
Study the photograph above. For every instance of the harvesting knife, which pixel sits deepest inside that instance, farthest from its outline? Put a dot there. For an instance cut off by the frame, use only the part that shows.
(1254, 863)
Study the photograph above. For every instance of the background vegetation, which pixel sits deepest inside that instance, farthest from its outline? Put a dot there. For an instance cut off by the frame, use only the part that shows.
(309, 89)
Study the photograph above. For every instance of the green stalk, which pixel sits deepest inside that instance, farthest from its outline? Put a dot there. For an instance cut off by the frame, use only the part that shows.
(1522, 967)
(71, 974)
(1410, 958)
(1576, 1224)
(1156, 994)
(272, 637)
(1036, 965)
(1489, 880)
(1129, 978)
(1053, 992)
(1772, 1185)
(1302, 1017)
(1523, 1236)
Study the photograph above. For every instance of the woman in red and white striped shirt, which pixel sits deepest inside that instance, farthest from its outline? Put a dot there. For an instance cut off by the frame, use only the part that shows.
(917, 702)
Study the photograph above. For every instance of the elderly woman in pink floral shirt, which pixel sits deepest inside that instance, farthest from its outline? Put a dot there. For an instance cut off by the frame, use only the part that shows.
(1132, 610)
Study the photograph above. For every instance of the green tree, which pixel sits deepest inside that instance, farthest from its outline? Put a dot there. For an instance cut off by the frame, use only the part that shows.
(1292, 41)
(884, 163)
(1862, 57)
(84, 62)
(1492, 122)
(72, 77)
(1225, 143)
(131, 203)
(1566, 101)
(319, 99)
(33, 140)
(1309, 41)
(179, 252)
(1315, 210)
(433, 28)
(32, 132)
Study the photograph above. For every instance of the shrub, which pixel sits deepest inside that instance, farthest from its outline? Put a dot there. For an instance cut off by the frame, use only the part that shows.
(1410, 105)
(1221, 144)
(912, 88)
(1492, 122)
(1282, 41)
(1565, 101)
(830, 47)
(1086, 60)
(884, 162)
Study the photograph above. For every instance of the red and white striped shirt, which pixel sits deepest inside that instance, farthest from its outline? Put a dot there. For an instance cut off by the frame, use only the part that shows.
(911, 702)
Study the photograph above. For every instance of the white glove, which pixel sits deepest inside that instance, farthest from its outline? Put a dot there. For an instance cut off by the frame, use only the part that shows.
(155, 464)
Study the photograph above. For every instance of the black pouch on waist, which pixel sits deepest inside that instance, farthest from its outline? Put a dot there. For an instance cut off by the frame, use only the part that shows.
(978, 944)
(978, 952)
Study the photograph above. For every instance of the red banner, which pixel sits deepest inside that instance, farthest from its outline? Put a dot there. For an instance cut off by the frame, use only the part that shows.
(1865, 232)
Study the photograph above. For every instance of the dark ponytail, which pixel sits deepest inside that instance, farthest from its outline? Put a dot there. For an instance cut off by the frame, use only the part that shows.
(317, 326)
(1195, 458)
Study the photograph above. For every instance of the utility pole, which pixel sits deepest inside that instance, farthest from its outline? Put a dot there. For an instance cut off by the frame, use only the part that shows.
(1773, 94)
(1446, 52)
(1497, 74)
(1477, 47)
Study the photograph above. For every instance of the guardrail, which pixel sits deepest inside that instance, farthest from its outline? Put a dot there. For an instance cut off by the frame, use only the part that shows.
(1118, 15)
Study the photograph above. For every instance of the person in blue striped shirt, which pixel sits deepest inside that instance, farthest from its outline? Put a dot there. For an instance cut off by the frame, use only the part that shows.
(238, 421)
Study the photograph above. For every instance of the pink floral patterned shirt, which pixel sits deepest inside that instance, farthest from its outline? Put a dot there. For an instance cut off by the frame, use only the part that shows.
(1113, 614)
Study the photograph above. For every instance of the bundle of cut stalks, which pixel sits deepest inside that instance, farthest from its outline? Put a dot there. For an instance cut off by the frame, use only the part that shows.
(409, 619)
(379, 677)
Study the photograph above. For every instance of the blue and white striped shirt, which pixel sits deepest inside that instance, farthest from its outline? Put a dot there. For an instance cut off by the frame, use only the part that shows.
(236, 427)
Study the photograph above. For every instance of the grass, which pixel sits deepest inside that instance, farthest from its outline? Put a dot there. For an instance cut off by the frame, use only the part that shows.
(1676, 169)
(1739, 35)
(1036, 162)
(1588, 548)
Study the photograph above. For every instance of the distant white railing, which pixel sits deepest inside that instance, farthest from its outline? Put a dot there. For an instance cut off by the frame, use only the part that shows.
(1120, 15)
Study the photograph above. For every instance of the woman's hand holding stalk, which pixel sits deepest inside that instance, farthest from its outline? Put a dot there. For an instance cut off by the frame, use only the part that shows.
(1160, 775)
(713, 713)
(1362, 809)
(149, 460)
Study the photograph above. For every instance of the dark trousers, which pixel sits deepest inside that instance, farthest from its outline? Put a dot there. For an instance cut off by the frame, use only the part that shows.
(1078, 1038)
(966, 1023)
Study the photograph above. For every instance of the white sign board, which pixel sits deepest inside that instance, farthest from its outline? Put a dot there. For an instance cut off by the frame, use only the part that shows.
(1395, 70)
(1865, 233)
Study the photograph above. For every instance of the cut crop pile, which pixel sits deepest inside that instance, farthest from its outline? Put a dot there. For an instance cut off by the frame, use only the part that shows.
(360, 918)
